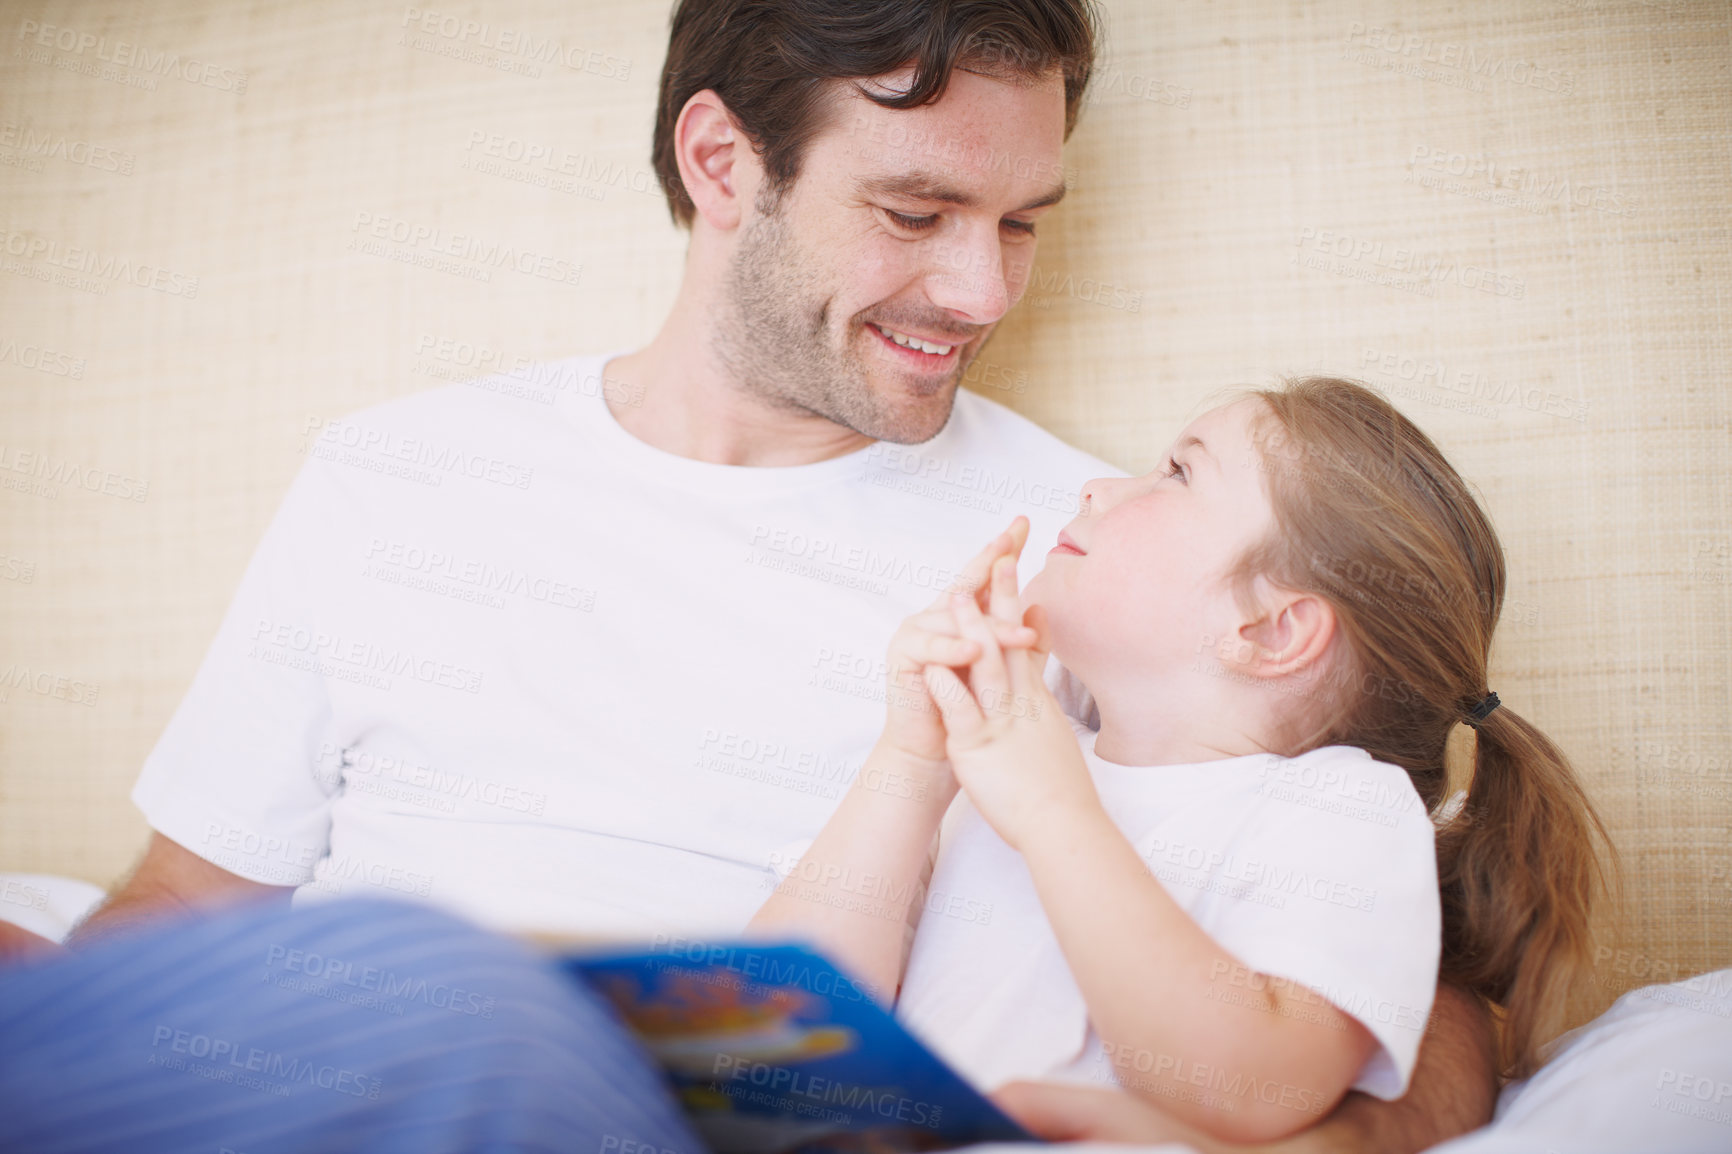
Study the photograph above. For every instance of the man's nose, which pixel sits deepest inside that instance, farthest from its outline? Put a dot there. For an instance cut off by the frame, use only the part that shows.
(967, 279)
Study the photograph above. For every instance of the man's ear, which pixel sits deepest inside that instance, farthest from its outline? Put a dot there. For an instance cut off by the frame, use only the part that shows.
(1290, 634)
(717, 163)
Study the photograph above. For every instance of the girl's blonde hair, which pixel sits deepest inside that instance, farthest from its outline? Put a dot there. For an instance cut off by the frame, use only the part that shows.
(1371, 518)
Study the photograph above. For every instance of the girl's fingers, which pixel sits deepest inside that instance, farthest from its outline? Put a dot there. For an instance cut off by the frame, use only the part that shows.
(1035, 620)
(962, 717)
(1010, 634)
(934, 649)
(987, 676)
(1003, 603)
(976, 574)
(1005, 608)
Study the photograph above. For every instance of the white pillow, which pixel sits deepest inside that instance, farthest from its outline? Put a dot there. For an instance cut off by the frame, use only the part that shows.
(1652, 1074)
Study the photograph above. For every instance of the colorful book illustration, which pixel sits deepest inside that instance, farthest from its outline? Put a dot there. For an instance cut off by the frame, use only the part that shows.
(770, 1048)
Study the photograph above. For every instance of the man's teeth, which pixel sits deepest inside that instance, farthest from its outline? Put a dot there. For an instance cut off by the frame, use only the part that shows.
(916, 343)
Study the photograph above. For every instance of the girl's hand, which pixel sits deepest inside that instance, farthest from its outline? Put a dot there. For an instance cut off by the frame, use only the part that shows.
(913, 727)
(1010, 745)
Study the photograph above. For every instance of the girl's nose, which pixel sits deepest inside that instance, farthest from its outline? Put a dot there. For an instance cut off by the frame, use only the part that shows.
(1097, 495)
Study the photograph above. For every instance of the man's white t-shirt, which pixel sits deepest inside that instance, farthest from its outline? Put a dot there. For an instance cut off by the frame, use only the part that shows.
(496, 653)
(1318, 870)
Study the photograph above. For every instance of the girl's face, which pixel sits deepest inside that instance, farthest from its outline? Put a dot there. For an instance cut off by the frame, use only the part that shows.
(1137, 585)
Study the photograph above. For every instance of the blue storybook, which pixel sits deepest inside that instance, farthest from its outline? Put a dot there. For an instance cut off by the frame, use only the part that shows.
(770, 1048)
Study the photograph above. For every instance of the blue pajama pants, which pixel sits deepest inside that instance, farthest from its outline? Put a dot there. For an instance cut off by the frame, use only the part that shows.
(353, 1025)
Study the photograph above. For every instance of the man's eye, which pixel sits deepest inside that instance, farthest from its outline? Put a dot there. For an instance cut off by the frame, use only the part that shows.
(1025, 227)
(912, 223)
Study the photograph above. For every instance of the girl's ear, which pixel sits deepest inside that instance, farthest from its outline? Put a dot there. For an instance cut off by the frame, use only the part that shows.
(718, 165)
(1290, 634)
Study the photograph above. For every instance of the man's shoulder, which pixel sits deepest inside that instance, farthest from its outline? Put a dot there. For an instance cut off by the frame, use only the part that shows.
(446, 444)
(985, 428)
(525, 396)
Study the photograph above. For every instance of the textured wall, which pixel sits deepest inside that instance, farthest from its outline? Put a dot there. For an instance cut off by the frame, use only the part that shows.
(1514, 218)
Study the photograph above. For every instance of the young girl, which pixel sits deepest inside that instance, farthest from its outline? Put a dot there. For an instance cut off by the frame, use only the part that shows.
(1232, 895)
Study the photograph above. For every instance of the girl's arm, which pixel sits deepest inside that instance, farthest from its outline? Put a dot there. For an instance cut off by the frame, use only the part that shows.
(1454, 1088)
(855, 891)
(1256, 1064)
(1174, 1008)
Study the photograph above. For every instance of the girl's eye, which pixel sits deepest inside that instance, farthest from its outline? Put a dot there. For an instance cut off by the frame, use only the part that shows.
(912, 223)
(1174, 469)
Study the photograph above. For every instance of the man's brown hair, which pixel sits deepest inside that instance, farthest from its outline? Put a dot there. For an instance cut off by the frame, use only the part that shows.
(770, 62)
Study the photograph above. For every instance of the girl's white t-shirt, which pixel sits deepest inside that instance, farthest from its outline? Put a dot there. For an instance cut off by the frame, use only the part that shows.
(1318, 871)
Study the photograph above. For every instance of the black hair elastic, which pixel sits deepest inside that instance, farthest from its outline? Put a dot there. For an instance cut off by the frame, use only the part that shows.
(1483, 710)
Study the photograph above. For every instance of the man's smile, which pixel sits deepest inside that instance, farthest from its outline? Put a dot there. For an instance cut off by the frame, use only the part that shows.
(917, 344)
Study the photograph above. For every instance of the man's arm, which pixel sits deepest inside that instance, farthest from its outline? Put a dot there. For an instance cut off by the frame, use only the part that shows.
(1453, 1091)
(16, 942)
(1454, 1087)
(170, 879)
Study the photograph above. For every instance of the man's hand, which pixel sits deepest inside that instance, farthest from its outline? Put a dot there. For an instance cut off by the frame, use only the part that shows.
(170, 879)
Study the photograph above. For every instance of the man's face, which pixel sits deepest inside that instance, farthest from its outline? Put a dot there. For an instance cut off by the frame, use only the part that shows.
(865, 291)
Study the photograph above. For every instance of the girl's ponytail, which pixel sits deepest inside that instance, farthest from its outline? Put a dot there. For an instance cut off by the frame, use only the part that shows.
(1518, 873)
(1371, 518)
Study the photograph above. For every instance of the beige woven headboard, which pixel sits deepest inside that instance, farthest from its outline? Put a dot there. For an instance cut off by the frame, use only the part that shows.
(1515, 218)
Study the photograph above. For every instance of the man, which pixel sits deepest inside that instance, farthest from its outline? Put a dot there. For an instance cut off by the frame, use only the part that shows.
(611, 665)
(596, 671)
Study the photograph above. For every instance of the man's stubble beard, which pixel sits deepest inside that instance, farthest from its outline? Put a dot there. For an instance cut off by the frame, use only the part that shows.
(773, 337)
